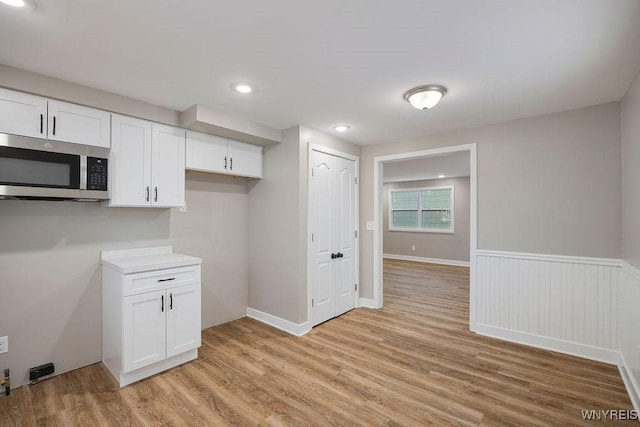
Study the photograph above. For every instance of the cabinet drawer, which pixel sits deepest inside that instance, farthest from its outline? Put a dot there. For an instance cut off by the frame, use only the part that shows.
(154, 280)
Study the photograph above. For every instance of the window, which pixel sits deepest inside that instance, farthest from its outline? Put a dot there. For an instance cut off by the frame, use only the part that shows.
(428, 209)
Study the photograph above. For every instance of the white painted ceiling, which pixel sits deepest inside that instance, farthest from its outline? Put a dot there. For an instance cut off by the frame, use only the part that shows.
(450, 165)
(320, 63)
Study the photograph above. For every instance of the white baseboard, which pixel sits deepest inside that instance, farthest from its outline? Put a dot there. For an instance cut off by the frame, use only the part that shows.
(632, 387)
(453, 262)
(611, 357)
(367, 303)
(279, 323)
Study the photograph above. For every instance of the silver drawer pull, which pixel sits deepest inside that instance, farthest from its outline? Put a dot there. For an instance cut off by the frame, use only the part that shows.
(166, 280)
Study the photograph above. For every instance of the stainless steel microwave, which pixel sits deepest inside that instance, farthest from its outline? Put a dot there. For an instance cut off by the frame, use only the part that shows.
(41, 169)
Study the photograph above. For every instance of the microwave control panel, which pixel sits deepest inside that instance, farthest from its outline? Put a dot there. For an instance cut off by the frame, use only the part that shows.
(96, 174)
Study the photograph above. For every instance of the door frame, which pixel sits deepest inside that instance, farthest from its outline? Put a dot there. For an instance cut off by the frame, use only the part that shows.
(378, 169)
(356, 159)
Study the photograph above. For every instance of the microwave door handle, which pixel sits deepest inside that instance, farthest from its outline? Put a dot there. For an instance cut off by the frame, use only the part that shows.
(83, 172)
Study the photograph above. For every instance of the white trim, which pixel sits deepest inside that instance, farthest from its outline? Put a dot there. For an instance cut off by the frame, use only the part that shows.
(333, 152)
(279, 323)
(611, 262)
(356, 159)
(473, 236)
(378, 168)
(611, 357)
(453, 262)
(631, 269)
(367, 303)
(629, 382)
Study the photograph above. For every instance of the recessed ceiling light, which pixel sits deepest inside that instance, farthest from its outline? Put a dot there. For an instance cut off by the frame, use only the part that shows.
(440, 176)
(243, 88)
(20, 4)
(341, 128)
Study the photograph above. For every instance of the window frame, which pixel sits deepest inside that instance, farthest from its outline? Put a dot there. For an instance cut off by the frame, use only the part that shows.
(420, 210)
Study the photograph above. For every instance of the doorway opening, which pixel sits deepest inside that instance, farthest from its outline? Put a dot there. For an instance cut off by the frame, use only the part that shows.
(422, 219)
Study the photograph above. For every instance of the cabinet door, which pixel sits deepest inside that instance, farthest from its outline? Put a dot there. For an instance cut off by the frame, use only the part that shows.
(144, 330)
(23, 114)
(245, 159)
(167, 165)
(130, 162)
(78, 124)
(183, 319)
(206, 153)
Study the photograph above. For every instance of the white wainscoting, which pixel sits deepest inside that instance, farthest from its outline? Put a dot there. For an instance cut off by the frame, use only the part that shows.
(565, 304)
(629, 331)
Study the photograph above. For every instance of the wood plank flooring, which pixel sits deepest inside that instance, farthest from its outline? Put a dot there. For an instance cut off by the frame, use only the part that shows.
(412, 363)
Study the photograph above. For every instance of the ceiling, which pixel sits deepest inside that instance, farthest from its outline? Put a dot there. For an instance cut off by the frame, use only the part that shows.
(450, 165)
(320, 63)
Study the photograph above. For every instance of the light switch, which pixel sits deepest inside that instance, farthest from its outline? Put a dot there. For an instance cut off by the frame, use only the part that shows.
(370, 225)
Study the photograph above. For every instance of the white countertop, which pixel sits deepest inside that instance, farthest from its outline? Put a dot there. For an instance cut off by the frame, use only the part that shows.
(129, 261)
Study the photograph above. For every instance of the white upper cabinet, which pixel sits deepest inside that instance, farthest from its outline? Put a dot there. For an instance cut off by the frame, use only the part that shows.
(130, 162)
(147, 164)
(23, 114)
(208, 153)
(245, 159)
(35, 116)
(78, 124)
(167, 165)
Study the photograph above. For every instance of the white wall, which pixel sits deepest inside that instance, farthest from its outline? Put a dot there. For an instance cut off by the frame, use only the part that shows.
(537, 178)
(278, 225)
(443, 246)
(629, 310)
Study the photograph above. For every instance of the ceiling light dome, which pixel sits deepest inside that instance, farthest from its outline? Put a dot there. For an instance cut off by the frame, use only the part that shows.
(425, 97)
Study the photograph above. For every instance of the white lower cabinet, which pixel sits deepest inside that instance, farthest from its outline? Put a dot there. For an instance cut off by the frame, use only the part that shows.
(151, 314)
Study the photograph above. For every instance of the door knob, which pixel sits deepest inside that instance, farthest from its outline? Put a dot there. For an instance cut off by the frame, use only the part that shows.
(334, 256)
(340, 254)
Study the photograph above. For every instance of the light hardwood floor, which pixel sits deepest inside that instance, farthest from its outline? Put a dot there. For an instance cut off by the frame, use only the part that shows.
(412, 363)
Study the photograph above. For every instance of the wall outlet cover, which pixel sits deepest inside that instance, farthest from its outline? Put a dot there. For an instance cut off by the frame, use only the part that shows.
(4, 345)
(370, 225)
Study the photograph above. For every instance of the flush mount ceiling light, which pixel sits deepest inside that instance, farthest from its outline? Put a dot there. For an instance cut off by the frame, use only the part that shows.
(241, 87)
(20, 4)
(425, 97)
(341, 128)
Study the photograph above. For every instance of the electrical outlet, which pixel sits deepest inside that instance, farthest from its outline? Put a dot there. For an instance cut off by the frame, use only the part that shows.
(4, 344)
(183, 208)
(413, 248)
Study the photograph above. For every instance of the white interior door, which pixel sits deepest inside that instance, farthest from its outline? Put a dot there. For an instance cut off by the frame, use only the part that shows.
(323, 304)
(345, 239)
(332, 222)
